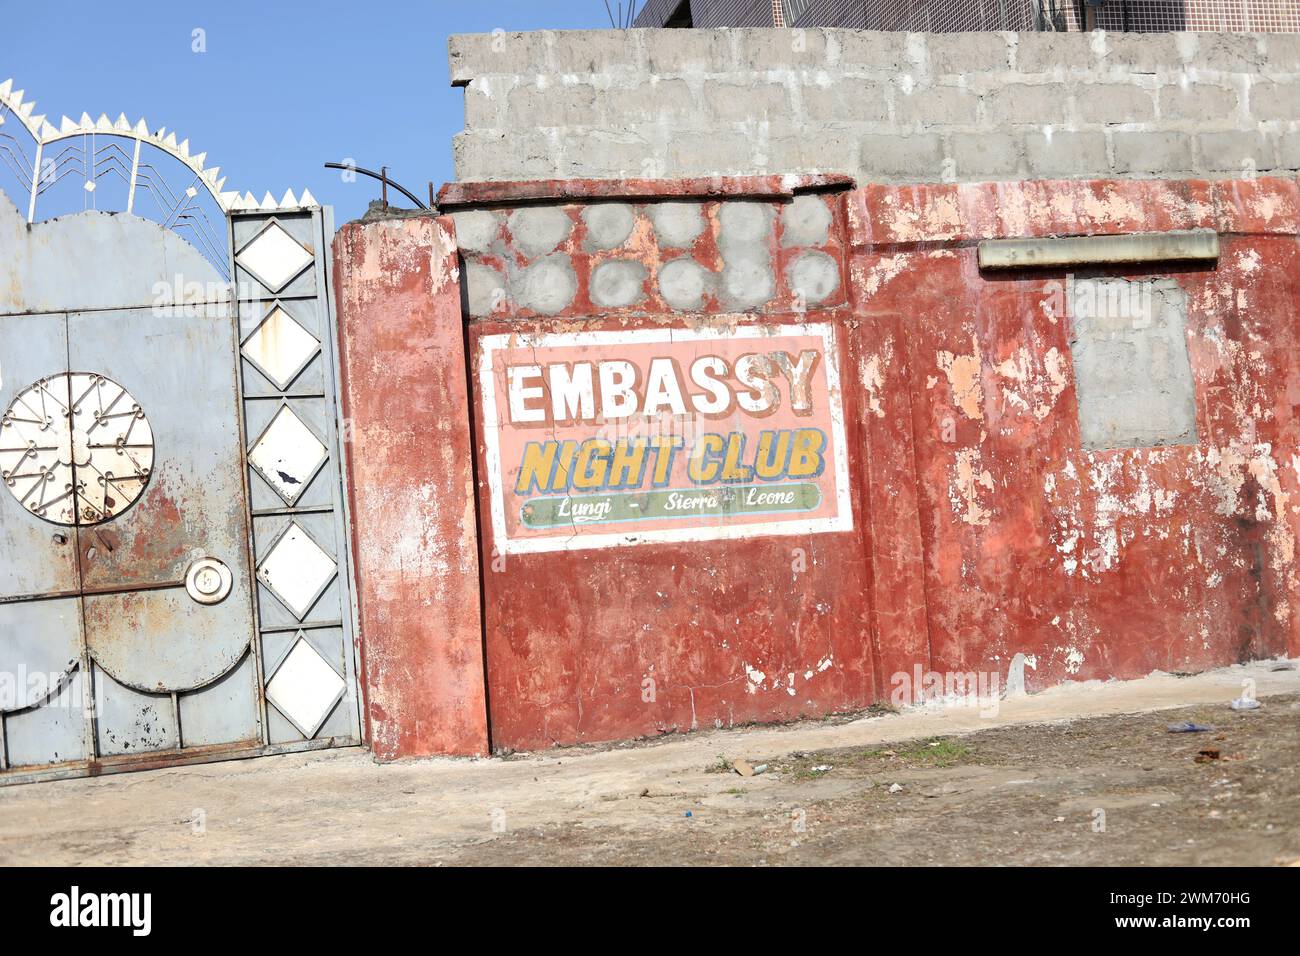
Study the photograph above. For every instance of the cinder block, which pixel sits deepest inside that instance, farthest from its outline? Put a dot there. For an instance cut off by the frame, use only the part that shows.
(768, 49)
(751, 100)
(1113, 103)
(1269, 101)
(951, 53)
(867, 50)
(1229, 52)
(553, 104)
(985, 155)
(1140, 52)
(1066, 154)
(888, 154)
(596, 51)
(1283, 52)
(817, 149)
(662, 98)
(607, 153)
(1152, 152)
(485, 101)
(471, 55)
(936, 106)
(1288, 148)
(1017, 103)
(708, 153)
(478, 155)
(845, 99)
(1198, 101)
(1048, 52)
(1235, 151)
(674, 52)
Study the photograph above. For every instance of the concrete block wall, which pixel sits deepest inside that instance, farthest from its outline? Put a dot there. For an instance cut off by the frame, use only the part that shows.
(887, 107)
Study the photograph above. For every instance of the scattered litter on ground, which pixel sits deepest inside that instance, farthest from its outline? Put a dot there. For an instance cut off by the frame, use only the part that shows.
(895, 788)
(1207, 755)
(1187, 727)
(1283, 666)
(822, 768)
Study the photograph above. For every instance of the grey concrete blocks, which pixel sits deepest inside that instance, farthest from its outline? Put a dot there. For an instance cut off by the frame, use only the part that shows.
(951, 53)
(813, 275)
(1134, 379)
(618, 283)
(1150, 153)
(1198, 102)
(1026, 103)
(537, 230)
(1280, 101)
(886, 106)
(805, 221)
(476, 230)
(1243, 151)
(986, 155)
(1109, 103)
(547, 286)
(1061, 154)
(683, 284)
(677, 224)
(485, 288)
(744, 239)
(608, 225)
(894, 155)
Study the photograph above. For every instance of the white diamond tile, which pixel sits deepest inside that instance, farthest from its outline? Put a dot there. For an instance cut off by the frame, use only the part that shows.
(287, 455)
(281, 347)
(297, 571)
(305, 688)
(275, 256)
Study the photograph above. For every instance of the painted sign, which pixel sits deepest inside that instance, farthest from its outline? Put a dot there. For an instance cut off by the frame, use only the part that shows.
(601, 439)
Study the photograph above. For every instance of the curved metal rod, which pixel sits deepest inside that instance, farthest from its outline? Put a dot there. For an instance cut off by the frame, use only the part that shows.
(382, 177)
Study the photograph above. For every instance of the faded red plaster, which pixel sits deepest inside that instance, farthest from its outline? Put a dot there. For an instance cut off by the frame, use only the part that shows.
(411, 487)
(1104, 564)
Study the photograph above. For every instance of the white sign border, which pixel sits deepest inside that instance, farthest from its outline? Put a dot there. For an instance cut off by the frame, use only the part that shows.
(490, 344)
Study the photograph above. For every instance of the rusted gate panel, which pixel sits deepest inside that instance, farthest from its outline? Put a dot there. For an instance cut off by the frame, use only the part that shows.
(1095, 562)
(632, 620)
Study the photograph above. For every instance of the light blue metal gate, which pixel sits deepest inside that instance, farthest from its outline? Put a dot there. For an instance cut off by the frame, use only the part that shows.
(174, 575)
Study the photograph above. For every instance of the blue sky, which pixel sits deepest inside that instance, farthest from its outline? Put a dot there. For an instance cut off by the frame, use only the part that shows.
(283, 86)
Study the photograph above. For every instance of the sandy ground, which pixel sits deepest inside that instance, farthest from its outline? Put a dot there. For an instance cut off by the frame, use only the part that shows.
(1080, 774)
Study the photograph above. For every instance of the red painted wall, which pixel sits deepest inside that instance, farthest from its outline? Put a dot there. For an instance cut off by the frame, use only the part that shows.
(981, 527)
(1183, 557)
(411, 487)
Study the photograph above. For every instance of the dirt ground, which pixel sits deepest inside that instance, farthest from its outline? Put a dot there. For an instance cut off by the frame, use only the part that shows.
(1083, 774)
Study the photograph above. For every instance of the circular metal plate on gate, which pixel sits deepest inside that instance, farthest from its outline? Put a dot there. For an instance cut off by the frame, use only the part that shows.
(75, 449)
(208, 581)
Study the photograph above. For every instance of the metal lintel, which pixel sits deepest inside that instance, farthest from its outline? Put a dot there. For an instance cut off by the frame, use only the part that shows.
(1195, 245)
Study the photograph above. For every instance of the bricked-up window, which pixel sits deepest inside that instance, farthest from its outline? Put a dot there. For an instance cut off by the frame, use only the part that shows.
(1128, 341)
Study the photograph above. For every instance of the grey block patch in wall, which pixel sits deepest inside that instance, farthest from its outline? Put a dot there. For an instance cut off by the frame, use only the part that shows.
(608, 225)
(547, 286)
(485, 289)
(1132, 371)
(537, 230)
(683, 283)
(744, 222)
(476, 230)
(806, 221)
(813, 275)
(677, 224)
(617, 284)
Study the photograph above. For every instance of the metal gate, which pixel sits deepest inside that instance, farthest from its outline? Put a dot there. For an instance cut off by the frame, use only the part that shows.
(174, 577)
